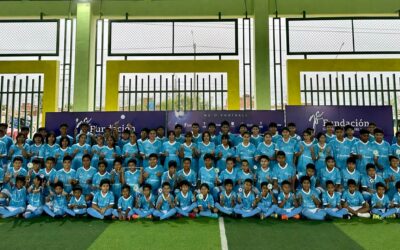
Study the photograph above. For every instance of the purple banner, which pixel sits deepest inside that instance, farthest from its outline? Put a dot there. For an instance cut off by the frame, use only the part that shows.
(357, 116)
(235, 118)
(98, 121)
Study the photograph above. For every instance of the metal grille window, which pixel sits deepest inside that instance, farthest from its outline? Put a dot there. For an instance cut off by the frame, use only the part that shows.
(169, 91)
(352, 88)
(195, 39)
(21, 101)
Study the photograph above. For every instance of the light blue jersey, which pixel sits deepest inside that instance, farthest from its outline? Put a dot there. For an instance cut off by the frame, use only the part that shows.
(305, 158)
(226, 152)
(341, 151)
(98, 152)
(290, 147)
(17, 151)
(369, 182)
(196, 138)
(332, 201)
(146, 203)
(34, 150)
(97, 177)
(382, 151)
(165, 206)
(247, 200)
(60, 153)
(380, 202)
(103, 200)
(85, 178)
(396, 198)
(172, 150)
(66, 177)
(190, 176)
(289, 200)
(366, 152)
(306, 198)
(147, 147)
(330, 138)
(264, 175)
(18, 197)
(246, 152)
(13, 173)
(132, 179)
(153, 179)
(48, 151)
(3, 152)
(347, 175)
(109, 155)
(353, 199)
(203, 150)
(265, 201)
(206, 201)
(395, 149)
(184, 200)
(8, 141)
(256, 140)
(228, 200)
(70, 139)
(232, 138)
(208, 175)
(268, 150)
(321, 152)
(80, 151)
(226, 174)
(188, 153)
(58, 202)
(130, 151)
(77, 202)
(125, 203)
(352, 141)
(242, 176)
(281, 174)
(332, 175)
(276, 137)
(394, 176)
(166, 177)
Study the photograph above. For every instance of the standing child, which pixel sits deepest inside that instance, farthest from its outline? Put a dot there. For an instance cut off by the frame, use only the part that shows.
(85, 174)
(99, 176)
(209, 175)
(245, 150)
(187, 173)
(170, 175)
(117, 177)
(264, 174)
(103, 201)
(223, 152)
(350, 172)
(392, 175)
(134, 176)
(67, 175)
(268, 148)
(165, 207)
(152, 173)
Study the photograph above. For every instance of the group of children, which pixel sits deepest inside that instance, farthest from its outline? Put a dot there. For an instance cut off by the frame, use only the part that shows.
(280, 175)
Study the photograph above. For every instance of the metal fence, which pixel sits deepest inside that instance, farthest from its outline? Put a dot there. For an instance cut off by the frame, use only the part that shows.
(352, 88)
(21, 101)
(172, 91)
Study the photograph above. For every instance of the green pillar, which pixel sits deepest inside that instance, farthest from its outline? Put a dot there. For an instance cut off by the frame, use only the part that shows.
(261, 29)
(84, 58)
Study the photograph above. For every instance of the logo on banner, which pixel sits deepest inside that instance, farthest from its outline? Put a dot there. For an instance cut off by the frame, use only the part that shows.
(95, 128)
(317, 119)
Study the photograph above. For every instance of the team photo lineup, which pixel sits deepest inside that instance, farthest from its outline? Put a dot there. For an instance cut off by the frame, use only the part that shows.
(160, 175)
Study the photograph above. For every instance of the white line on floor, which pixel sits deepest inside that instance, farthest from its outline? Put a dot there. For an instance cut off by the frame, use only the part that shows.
(224, 241)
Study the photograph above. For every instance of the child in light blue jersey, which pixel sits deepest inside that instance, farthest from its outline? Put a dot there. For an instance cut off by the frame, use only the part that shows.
(56, 203)
(264, 173)
(268, 148)
(85, 174)
(50, 148)
(341, 148)
(395, 148)
(117, 177)
(306, 150)
(124, 210)
(17, 198)
(49, 174)
(62, 151)
(209, 175)
(330, 172)
(380, 204)
(245, 150)
(205, 202)
(67, 175)
(98, 150)
(396, 200)
(103, 202)
(185, 203)
(392, 175)
(273, 130)
(33, 171)
(170, 175)
(77, 204)
(368, 182)
(78, 150)
(63, 128)
(244, 174)
(36, 147)
(223, 152)
(150, 147)
(230, 172)
(170, 150)
(197, 136)
(35, 198)
(144, 203)
(309, 201)
(320, 152)
(187, 174)
(330, 130)
(350, 172)
(205, 147)
(283, 171)
(381, 150)
(152, 173)
(189, 150)
(363, 151)
(331, 202)
(134, 176)
(19, 149)
(266, 201)
(246, 201)
(354, 202)
(100, 175)
(256, 138)
(288, 206)
(227, 198)
(12, 172)
(310, 172)
(288, 145)
(165, 206)
(131, 150)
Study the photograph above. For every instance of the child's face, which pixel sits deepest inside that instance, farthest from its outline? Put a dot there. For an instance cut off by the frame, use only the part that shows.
(132, 166)
(100, 140)
(77, 193)
(255, 130)
(171, 137)
(172, 171)
(228, 188)
(329, 129)
(322, 139)
(211, 129)
(245, 166)
(350, 132)
(306, 137)
(195, 129)
(143, 134)
(224, 141)
(19, 184)
(339, 133)
(242, 129)
(125, 192)
(49, 164)
(133, 138)
(364, 137)
(281, 159)
(38, 140)
(208, 162)
(310, 172)
(160, 132)
(371, 172)
(166, 189)
(351, 166)
(125, 136)
(85, 129)
(273, 130)
(380, 191)
(330, 163)
(394, 163)
(186, 165)
(229, 165)
(51, 139)
(225, 129)
(82, 139)
(63, 130)
(267, 139)
(117, 166)
(67, 164)
(152, 135)
(184, 189)
(306, 185)
(64, 143)
(285, 133)
(110, 141)
(146, 191)
(378, 137)
(105, 188)
(246, 138)
(371, 128)
(153, 161)
(286, 188)
(247, 186)
(178, 131)
(352, 188)
(17, 164)
(206, 137)
(204, 191)
(331, 188)
(264, 190)
(264, 163)
(36, 166)
(86, 162)
(292, 129)
(102, 168)
(58, 190)
(188, 139)
(36, 182)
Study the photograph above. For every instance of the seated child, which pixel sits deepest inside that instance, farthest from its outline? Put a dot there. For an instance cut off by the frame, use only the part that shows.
(144, 203)
(77, 204)
(396, 200)
(227, 198)
(56, 205)
(380, 204)
(35, 198)
(185, 201)
(331, 202)
(103, 201)
(266, 201)
(309, 201)
(288, 206)
(246, 199)
(125, 203)
(17, 198)
(354, 202)
(165, 207)
(205, 202)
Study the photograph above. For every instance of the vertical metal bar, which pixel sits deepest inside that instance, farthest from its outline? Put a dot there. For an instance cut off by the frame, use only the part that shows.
(280, 63)
(102, 64)
(64, 64)
(244, 66)
(179, 93)
(216, 94)
(160, 94)
(369, 88)
(129, 94)
(19, 104)
(337, 89)
(318, 103)
(191, 93)
(123, 92)
(352, 35)
(148, 92)
(323, 84)
(356, 83)
(26, 98)
(311, 91)
(173, 94)
(249, 66)
(330, 89)
(95, 67)
(1, 97)
(388, 90)
(362, 90)
(395, 100)
(305, 89)
(343, 90)
(350, 92)
(32, 99)
(376, 90)
(209, 91)
(136, 90)
(7, 99)
(14, 83)
(382, 94)
(185, 99)
(70, 63)
(204, 94)
(274, 63)
(39, 104)
(154, 93)
(142, 94)
(166, 88)
(222, 91)
(197, 92)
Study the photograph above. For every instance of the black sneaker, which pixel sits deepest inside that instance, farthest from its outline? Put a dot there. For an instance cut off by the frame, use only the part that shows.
(347, 217)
